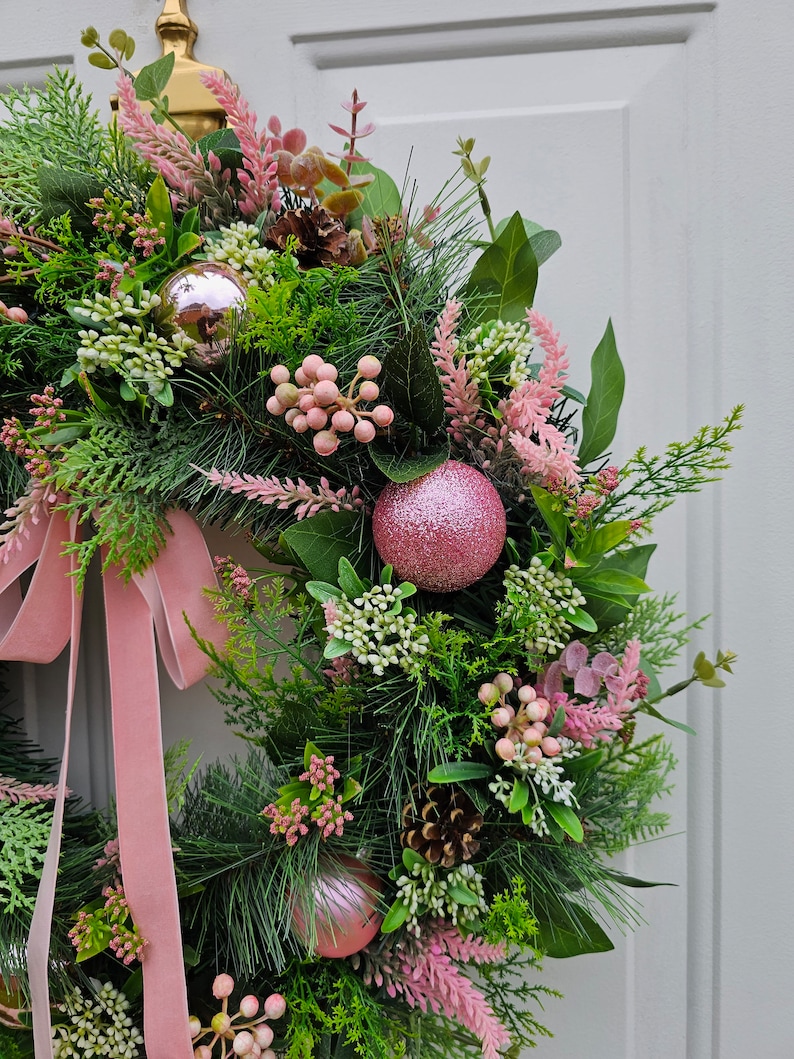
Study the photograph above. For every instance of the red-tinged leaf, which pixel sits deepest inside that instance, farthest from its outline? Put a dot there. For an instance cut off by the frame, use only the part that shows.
(339, 129)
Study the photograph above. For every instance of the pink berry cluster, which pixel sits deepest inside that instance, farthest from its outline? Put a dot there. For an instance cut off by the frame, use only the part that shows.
(315, 402)
(525, 726)
(252, 1037)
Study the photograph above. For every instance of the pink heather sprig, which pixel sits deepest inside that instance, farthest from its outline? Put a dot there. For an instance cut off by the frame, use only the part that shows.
(331, 817)
(461, 393)
(629, 683)
(258, 177)
(127, 945)
(12, 790)
(286, 493)
(111, 857)
(234, 576)
(169, 152)
(288, 822)
(526, 412)
(26, 511)
(321, 773)
(425, 972)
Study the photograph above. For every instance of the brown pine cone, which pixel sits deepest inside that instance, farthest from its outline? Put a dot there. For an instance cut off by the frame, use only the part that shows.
(321, 238)
(441, 824)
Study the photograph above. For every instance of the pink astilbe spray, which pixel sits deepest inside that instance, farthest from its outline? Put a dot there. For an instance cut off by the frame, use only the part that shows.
(181, 165)
(258, 177)
(526, 412)
(425, 971)
(629, 683)
(461, 394)
(286, 493)
(26, 511)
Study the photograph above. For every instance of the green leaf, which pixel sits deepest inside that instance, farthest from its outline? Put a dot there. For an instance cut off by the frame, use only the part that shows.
(336, 648)
(645, 707)
(165, 396)
(544, 241)
(570, 931)
(550, 508)
(503, 281)
(101, 936)
(187, 243)
(600, 414)
(117, 39)
(381, 197)
(321, 541)
(605, 538)
(225, 145)
(309, 750)
(408, 468)
(459, 771)
(395, 917)
(349, 581)
(158, 205)
(412, 382)
(322, 591)
(127, 392)
(631, 560)
(566, 818)
(65, 191)
(151, 81)
(612, 581)
(519, 797)
(412, 859)
(582, 620)
(557, 722)
(630, 880)
(587, 760)
(64, 435)
(462, 896)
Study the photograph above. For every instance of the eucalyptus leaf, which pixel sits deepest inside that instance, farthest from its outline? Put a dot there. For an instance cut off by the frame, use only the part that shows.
(412, 382)
(600, 414)
(544, 241)
(504, 278)
(400, 468)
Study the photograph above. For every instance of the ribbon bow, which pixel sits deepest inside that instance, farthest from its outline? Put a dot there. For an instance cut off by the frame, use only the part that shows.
(37, 629)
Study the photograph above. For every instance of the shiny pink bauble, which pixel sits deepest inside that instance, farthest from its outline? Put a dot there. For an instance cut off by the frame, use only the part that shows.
(443, 531)
(202, 300)
(345, 901)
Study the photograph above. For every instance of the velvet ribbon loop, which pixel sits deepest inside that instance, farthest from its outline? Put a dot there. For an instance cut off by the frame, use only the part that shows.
(36, 629)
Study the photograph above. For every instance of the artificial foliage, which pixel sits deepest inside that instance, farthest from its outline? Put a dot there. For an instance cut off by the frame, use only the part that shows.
(445, 674)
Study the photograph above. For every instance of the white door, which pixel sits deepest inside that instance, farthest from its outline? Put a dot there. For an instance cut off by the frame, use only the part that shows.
(655, 138)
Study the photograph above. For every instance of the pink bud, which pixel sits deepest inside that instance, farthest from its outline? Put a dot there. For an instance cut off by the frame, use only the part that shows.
(369, 367)
(545, 706)
(500, 718)
(263, 1035)
(488, 694)
(306, 402)
(195, 1026)
(249, 1006)
(504, 682)
(202, 1052)
(316, 418)
(326, 442)
(343, 420)
(301, 378)
(311, 364)
(505, 749)
(526, 693)
(327, 373)
(550, 746)
(243, 1043)
(291, 415)
(287, 393)
(326, 392)
(382, 415)
(539, 726)
(531, 737)
(222, 986)
(300, 424)
(533, 710)
(364, 431)
(534, 754)
(17, 314)
(369, 391)
(279, 373)
(220, 1022)
(274, 406)
(275, 1006)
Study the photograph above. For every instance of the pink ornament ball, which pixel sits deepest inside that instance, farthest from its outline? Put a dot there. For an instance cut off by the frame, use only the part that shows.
(442, 532)
(345, 901)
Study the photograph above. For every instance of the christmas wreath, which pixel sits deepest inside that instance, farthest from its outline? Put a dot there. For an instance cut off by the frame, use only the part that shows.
(445, 677)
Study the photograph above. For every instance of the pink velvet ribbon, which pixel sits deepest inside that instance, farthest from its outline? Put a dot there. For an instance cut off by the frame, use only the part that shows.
(37, 629)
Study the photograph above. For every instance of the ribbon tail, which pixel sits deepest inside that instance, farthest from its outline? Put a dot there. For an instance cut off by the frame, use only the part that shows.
(144, 834)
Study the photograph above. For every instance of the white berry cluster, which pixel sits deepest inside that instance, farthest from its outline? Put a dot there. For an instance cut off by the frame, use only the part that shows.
(540, 599)
(500, 351)
(378, 632)
(98, 1025)
(426, 891)
(240, 249)
(144, 358)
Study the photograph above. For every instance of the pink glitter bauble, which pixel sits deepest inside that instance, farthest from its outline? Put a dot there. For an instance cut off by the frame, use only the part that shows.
(443, 531)
(345, 902)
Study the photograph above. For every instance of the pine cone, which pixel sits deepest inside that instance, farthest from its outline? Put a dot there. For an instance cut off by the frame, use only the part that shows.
(441, 825)
(322, 239)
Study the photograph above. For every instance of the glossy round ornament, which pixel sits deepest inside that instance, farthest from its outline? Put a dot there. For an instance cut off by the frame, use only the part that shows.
(344, 901)
(202, 300)
(442, 531)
